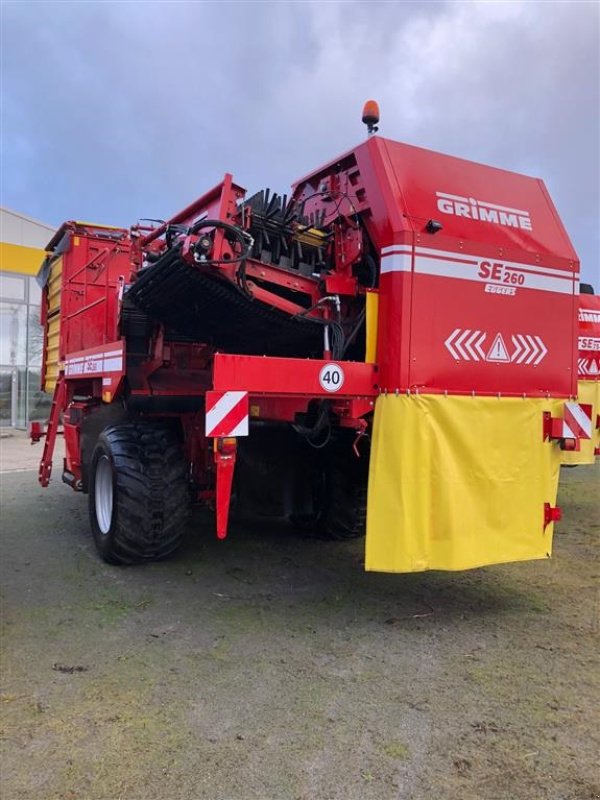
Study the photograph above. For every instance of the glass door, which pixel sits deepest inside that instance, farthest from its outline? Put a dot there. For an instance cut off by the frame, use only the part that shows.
(8, 397)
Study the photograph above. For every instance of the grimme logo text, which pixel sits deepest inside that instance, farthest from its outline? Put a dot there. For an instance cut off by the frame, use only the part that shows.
(482, 211)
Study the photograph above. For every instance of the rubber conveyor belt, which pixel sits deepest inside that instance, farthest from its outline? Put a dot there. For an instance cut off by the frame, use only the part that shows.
(211, 310)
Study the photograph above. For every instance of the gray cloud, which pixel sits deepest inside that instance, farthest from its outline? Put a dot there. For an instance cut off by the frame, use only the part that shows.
(114, 111)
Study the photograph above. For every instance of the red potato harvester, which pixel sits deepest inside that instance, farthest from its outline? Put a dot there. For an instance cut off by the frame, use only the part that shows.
(391, 348)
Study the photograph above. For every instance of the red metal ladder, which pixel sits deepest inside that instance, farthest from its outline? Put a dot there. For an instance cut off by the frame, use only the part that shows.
(58, 399)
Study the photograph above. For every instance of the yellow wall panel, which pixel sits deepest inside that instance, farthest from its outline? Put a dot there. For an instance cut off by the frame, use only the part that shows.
(53, 324)
(17, 258)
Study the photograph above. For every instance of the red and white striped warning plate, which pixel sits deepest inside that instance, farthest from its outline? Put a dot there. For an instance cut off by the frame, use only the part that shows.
(227, 413)
(577, 421)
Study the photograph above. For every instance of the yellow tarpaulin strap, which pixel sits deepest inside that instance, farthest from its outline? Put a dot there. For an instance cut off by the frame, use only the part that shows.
(588, 392)
(459, 482)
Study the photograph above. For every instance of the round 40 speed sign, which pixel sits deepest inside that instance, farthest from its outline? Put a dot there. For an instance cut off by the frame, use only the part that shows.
(331, 377)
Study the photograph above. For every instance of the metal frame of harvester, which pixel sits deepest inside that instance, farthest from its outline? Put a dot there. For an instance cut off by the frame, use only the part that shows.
(588, 375)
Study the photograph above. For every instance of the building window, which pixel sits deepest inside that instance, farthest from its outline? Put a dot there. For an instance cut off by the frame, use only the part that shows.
(12, 287)
(13, 334)
(21, 346)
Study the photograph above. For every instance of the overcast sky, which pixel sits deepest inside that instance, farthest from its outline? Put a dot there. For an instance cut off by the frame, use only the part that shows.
(115, 111)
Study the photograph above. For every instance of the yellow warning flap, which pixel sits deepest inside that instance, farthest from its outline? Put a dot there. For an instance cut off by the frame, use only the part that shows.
(588, 392)
(459, 482)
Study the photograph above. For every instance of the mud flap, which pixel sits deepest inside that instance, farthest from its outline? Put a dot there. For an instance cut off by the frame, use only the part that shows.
(459, 482)
(587, 392)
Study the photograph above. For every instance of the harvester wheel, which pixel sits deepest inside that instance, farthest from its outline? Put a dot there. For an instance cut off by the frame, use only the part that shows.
(138, 495)
(339, 495)
(344, 514)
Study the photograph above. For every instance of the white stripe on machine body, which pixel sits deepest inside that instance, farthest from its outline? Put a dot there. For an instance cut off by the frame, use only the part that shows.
(94, 365)
(463, 266)
(396, 262)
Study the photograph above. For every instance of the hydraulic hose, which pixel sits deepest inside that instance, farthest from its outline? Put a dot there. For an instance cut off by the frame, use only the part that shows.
(243, 238)
(372, 270)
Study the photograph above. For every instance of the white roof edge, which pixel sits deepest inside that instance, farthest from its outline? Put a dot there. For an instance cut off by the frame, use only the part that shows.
(6, 210)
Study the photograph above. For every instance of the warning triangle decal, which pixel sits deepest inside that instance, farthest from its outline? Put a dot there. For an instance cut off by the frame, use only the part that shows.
(593, 370)
(498, 351)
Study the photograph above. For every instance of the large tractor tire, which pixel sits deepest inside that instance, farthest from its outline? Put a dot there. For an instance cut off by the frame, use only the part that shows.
(139, 498)
(345, 510)
(339, 494)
